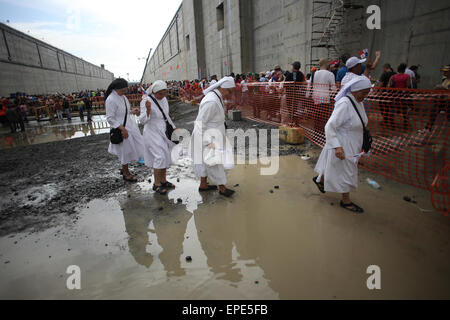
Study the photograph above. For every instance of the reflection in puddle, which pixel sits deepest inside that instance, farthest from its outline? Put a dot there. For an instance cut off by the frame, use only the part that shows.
(54, 132)
(290, 244)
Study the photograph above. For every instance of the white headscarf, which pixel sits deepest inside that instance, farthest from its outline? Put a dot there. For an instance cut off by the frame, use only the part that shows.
(357, 84)
(226, 83)
(158, 86)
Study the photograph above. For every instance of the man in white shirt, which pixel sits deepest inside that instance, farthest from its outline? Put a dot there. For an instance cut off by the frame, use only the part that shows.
(213, 80)
(244, 87)
(412, 76)
(324, 84)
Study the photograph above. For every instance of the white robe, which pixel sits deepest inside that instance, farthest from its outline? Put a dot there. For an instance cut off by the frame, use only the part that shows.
(343, 129)
(211, 115)
(158, 147)
(130, 149)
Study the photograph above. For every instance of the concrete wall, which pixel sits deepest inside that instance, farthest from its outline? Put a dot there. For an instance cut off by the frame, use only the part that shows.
(413, 31)
(258, 34)
(181, 62)
(35, 67)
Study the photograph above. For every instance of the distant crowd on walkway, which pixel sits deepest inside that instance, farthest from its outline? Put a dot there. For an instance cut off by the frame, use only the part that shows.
(336, 72)
(318, 88)
(16, 109)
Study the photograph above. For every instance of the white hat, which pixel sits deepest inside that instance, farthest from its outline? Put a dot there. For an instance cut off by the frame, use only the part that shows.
(353, 61)
(158, 86)
(226, 83)
(356, 84)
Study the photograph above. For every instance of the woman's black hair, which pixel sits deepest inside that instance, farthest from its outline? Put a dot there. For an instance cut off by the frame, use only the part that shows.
(119, 83)
(402, 68)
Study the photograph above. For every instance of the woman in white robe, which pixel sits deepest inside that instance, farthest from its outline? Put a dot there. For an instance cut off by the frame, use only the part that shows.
(158, 148)
(209, 135)
(338, 163)
(117, 106)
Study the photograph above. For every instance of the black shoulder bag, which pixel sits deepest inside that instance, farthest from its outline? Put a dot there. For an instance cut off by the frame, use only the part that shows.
(367, 138)
(115, 134)
(169, 128)
(223, 107)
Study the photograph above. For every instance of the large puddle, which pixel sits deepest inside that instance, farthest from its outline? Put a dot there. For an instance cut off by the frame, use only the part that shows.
(293, 243)
(43, 132)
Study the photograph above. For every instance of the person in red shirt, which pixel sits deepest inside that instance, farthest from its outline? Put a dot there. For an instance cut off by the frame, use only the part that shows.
(401, 81)
(3, 109)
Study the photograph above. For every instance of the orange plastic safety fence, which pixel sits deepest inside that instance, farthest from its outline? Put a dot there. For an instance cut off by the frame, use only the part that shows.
(439, 191)
(410, 127)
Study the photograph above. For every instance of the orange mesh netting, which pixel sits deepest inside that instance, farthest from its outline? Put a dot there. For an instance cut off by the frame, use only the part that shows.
(409, 127)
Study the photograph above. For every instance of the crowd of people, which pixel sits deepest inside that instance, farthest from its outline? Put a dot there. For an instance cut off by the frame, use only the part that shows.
(16, 109)
(335, 72)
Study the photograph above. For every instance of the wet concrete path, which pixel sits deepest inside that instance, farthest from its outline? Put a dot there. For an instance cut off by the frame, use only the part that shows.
(293, 243)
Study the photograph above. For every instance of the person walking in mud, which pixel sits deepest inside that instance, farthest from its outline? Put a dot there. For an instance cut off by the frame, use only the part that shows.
(155, 117)
(66, 106)
(118, 111)
(88, 106)
(338, 163)
(210, 133)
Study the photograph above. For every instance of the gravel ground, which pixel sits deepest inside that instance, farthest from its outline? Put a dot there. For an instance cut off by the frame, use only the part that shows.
(42, 184)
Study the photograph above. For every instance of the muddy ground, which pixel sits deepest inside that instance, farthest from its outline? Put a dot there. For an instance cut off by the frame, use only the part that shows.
(41, 184)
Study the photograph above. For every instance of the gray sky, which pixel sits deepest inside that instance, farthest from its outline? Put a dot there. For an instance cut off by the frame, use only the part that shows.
(115, 33)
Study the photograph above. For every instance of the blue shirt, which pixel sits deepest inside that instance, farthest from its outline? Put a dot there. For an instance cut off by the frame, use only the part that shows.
(341, 73)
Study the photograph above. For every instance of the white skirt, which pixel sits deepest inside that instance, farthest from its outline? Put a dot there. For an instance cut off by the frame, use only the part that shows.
(130, 150)
(341, 176)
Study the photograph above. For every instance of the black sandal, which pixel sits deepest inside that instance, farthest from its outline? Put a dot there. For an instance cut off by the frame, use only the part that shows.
(319, 185)
(209, 188)
(228, 193)
(168, 185)
(352, 207)
(160, 190)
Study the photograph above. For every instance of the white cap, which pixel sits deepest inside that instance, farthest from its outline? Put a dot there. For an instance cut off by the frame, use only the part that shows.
(158, 86)
(356, 84)
(353, 61)
(226, 83)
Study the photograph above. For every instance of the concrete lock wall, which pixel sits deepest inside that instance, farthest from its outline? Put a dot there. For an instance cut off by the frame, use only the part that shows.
(256, 35)
(35, 67)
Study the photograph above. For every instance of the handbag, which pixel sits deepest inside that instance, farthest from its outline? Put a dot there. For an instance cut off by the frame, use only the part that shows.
(115, 134)
(169, 127)
(367, 138)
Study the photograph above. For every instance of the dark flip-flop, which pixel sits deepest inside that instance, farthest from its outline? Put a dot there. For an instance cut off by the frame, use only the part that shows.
(319, 185)
(210, 188)
(352, 207)
(160, 190)
(168, 185)
(228, 193)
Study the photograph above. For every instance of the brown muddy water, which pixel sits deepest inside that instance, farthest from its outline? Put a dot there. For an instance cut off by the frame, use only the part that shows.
(293, 243)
